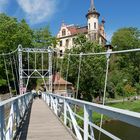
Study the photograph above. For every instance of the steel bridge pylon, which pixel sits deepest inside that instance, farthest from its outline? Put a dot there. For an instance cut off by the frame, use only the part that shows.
(25, 75)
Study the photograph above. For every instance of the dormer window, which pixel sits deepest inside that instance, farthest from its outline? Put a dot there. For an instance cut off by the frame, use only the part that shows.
(63, 32)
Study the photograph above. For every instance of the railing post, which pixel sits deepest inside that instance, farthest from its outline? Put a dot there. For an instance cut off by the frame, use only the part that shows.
(2, 123)
(56, 106)
(16, 108)
(25, 102)
(74, 122)
(65, 112)
(86, 120)
(51, 102)
(91, 128)
(9, 132)
(46, 98)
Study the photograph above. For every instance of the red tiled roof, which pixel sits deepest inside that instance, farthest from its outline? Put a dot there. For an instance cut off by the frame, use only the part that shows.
(72, 29)
(57, 79)
(77, 30)
(82, 30)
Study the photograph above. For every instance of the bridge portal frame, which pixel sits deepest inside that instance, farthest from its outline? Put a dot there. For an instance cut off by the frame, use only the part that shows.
(21, 70)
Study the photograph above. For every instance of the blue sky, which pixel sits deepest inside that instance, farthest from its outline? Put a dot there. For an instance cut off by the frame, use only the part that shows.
(40, 13)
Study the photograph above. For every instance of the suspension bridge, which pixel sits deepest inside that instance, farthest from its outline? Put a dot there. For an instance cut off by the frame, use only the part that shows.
(53, 117)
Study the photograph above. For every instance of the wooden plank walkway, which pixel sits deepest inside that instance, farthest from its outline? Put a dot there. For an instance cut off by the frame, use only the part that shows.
(44, 125)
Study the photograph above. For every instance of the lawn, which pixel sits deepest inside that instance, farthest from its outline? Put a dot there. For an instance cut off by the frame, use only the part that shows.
(128, 105)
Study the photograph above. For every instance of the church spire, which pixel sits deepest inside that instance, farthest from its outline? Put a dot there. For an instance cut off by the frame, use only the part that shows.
(92, 7)
(92, 10)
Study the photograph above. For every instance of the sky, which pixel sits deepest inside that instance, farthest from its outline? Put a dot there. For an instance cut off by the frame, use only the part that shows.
(42, 13)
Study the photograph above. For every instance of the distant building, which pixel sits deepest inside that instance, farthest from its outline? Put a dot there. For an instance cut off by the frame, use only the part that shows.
(93, 30)
(61, 86)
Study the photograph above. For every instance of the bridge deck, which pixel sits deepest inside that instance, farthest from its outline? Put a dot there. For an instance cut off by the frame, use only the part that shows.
(44, 125)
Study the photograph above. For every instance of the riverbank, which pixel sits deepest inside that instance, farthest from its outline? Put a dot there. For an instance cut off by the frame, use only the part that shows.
(4, 96)
(127, 105)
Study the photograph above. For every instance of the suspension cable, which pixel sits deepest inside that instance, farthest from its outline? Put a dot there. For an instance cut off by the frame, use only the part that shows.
(5, 54)
(103, 53)
(16, 70)
(104, 96)
(8, 81)
(35, 60)
(28, 62)
(13, 74)
(67, 71)
(79, 71)
(55, 71)
(42, 62)
(60, 72)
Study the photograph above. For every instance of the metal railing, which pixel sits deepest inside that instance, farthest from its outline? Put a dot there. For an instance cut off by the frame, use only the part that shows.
(64, 108)
(12, 112)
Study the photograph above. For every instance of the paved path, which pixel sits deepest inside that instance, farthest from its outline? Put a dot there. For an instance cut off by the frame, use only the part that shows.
(44, 125)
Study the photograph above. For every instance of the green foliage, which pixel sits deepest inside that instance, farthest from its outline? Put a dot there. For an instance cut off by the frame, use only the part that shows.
(13, 33)
(126, 38)
(125, 68)
(92, 68)
(43, 38)
(129, 90)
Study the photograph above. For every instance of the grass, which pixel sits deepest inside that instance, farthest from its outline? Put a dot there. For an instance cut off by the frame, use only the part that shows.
(128, 105)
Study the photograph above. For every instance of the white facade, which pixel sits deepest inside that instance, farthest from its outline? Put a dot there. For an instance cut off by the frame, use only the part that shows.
(93, 30)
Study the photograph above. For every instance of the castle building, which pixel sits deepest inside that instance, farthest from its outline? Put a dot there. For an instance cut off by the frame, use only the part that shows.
(94, 30)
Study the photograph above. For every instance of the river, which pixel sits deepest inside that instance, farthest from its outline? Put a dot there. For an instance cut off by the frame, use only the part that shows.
(121, 130)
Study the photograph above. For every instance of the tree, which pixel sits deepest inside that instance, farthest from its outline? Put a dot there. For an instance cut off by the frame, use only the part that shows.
(12, 33)
(24, 35)
(126, 66)
(92, 68)
(43, 38)
(126, 38)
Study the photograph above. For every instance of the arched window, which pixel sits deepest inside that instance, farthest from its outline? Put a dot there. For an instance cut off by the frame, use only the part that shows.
(63, 32)
(61, 53)
(94, 25)
(89, 26)
(61, 43)
(67, 42)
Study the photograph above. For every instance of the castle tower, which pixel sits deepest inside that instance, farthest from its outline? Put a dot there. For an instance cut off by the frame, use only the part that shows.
(93, 22)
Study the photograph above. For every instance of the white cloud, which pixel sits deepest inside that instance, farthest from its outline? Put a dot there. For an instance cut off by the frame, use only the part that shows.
(38, 11)
(3, 4)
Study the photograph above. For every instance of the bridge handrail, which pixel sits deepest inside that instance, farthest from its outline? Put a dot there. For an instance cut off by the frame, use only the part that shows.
(127, 116)
(12, 99)
(15, 108)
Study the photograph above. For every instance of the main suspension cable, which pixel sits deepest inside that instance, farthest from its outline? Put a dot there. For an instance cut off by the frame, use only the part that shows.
(103, 53)
(5, 54)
